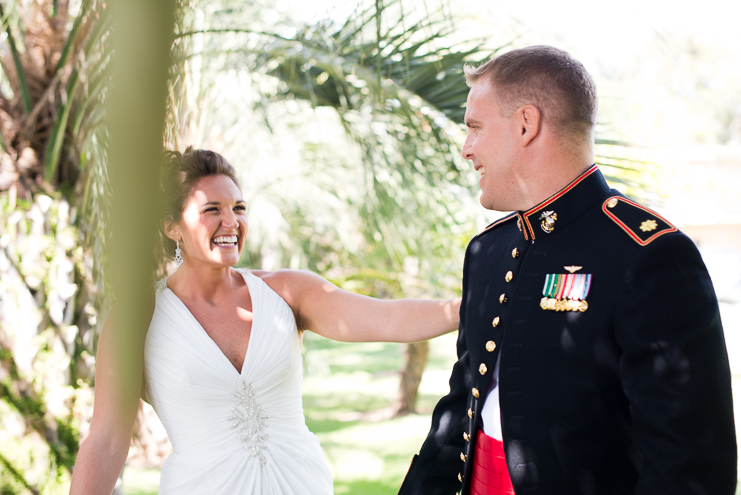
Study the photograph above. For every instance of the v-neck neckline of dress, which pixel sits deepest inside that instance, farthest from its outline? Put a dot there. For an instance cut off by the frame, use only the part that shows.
(246, 275)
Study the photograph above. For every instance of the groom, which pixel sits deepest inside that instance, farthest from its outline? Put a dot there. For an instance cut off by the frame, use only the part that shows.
(591, 357)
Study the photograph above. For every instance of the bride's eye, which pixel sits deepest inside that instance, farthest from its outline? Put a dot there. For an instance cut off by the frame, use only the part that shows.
(240, 207)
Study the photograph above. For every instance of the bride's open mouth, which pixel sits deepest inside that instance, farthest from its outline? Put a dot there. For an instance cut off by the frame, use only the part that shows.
(225, 241)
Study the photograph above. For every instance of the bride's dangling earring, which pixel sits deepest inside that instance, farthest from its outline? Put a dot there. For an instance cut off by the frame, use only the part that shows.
(178, 256)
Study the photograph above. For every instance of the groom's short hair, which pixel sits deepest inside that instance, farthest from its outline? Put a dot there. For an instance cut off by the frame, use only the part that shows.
(547, 77)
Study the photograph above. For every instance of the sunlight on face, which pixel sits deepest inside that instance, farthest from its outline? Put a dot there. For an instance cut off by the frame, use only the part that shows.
(214, 223)
(490, 145)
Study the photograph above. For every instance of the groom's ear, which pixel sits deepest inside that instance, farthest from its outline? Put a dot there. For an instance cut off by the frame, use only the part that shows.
(171, 229)
(529, 120)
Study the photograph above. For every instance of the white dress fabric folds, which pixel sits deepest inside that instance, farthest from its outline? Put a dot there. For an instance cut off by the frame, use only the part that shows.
(232, 433)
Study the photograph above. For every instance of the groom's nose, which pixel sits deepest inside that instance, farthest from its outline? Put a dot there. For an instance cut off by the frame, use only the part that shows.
(467, 150)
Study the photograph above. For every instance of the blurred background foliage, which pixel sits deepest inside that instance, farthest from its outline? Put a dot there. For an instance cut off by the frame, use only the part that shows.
(52, 218)
(346, 134)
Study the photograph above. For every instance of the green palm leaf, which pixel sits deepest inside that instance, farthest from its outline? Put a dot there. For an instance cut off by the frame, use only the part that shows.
(19, 69)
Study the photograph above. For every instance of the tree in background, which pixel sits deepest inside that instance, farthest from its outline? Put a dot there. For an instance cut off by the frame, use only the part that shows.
(52, 156)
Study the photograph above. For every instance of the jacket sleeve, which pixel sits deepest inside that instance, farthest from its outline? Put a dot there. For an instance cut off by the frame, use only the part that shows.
(435, 470)
(675, 373)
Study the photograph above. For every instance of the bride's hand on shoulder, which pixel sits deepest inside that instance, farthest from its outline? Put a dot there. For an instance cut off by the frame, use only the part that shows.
(324, 308)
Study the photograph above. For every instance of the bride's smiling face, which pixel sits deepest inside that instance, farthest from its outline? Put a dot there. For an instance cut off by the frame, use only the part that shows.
(213, 226)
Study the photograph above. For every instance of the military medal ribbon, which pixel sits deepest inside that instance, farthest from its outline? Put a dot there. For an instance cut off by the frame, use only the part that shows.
(566, 291)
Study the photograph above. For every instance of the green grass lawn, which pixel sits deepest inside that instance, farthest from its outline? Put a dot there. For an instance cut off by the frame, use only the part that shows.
(348, 389)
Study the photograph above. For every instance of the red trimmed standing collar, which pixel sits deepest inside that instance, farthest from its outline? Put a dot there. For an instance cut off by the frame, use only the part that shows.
(556, 212)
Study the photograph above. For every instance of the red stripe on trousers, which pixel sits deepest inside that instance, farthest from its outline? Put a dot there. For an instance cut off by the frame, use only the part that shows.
(490, 474)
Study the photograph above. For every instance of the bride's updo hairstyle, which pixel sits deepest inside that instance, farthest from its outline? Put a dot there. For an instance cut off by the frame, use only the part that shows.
(180, 173)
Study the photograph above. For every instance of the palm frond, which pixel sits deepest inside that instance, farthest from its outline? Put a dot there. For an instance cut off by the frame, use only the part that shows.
(91, 40)
(56, 139)
(20, 70)
(72, 37)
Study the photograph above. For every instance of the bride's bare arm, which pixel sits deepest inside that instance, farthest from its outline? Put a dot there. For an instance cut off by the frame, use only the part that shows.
(324, 308)
(103, 451)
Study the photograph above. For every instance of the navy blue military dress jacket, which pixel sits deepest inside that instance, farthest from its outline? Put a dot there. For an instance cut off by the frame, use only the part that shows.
(614, 376)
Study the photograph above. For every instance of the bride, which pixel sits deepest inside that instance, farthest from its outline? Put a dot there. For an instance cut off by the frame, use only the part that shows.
(222, 355)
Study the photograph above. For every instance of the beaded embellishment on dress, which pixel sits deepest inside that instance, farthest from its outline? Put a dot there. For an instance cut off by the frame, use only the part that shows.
(160, 285)
(250, 420)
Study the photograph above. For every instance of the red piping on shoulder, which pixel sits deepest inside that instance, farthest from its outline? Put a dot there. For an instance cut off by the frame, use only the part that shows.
(628, 230)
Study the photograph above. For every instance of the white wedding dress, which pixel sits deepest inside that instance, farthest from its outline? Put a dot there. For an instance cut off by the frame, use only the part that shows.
(232, 433)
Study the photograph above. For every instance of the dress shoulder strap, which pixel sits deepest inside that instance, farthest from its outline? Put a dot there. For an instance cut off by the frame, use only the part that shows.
(160, 285)
(245, 273)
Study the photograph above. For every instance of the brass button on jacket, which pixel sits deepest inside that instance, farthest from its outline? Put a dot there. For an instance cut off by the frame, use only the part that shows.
(503, 298)
(466, 437)
(475, 392)
(495, 322)
(470, 412)
(491, 345)
(482, 368)
(463, 457)
(508, 277)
